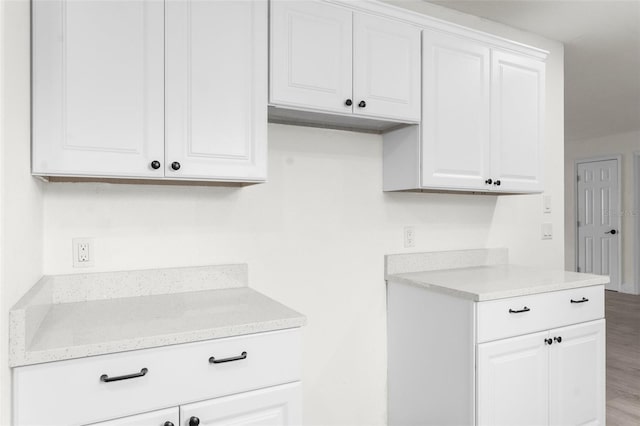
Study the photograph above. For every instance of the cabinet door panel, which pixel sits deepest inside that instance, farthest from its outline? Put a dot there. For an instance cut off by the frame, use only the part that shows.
(154, 418)
(216, 66)
(456, 113)
(517, 99)
(386, 68)
(513, 381)
(311, 47)
(577, 375)
(98, 87)
(274, 406)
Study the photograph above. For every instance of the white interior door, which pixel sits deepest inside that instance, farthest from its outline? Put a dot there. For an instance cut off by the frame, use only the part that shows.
(599, 220)
(310, 55)
(513, 381)
(456, 113)
(577, 375)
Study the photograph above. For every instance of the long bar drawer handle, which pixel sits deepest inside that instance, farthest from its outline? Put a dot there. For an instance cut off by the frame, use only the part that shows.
(525, 309)
(212, 360)
(584, 299)
(107, 379)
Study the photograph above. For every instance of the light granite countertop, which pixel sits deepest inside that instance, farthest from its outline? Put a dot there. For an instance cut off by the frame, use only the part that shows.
(481, 275)
(67, 317)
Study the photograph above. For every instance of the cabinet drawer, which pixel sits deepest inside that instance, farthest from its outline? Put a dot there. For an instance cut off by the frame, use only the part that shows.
(75, 392)
(497, 319)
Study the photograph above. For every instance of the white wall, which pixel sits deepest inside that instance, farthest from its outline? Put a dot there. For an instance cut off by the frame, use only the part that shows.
(624, 144)
(314, 237)
(21, 208)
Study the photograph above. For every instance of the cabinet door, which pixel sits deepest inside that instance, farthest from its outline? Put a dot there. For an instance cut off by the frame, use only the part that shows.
(386, 68)
(456, 113)
(216, 84)
(274, 406)
(98, 87)
(311, 47)
(513, 381)
(577, 375)
(517, 122)
(167, 417)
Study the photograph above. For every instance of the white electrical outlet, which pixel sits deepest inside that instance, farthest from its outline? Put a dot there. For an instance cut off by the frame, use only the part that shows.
(409, 237)
(83, 254)
(547, 231)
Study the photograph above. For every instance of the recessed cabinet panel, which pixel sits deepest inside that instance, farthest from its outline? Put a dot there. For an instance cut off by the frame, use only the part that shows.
(517, 121)
(311, 49)
(275, 406)
(386, 68)
(456, 112)
(154, 418)
(577, 375)
(216, 67)
(513, 381)
(98, 87)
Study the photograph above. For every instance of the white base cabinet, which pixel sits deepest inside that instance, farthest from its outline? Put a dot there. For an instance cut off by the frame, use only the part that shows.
(167, 417)
(529, 360)
(254, 376)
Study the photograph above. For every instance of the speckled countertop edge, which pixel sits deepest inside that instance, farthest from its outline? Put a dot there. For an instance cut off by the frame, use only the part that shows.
(28, 313)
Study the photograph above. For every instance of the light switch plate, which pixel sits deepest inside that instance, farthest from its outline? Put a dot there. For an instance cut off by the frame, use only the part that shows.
(546, 203)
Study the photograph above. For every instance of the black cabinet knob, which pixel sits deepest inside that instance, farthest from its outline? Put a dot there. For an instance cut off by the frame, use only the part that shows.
(612, 232)
(175, 165)
(155, 164)
(488, 181)
(497, 183)
(558, 339)
(168, 424)
(348, 102)
(194, 421)
(362, 104)
(548, 341)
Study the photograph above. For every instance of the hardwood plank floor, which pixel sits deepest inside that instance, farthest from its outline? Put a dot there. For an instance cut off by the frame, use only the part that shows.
(623, 359)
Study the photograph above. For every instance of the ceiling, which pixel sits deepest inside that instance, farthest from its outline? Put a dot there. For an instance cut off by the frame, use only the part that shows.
(602, 55)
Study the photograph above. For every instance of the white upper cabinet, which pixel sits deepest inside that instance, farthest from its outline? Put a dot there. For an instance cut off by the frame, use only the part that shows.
(98, 87)
(310, 55)
(150, 89)
(482, 121)
(386, 68)
(456, 112)
(216, 89)
(517, 124)
(327, 58)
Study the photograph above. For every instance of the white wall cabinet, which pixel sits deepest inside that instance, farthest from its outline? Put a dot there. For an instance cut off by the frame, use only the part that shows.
(150, 89)
(327, 58)
(537, 359)
(482, 121)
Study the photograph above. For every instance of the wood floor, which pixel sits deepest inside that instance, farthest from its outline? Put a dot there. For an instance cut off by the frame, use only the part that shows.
(623, 359)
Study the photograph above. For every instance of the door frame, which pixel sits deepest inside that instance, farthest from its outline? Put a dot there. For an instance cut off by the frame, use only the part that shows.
(636, 222)
(576, 162)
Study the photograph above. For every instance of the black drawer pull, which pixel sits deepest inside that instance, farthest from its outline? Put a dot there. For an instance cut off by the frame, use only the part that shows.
(107, 379)
(212, 360)
(584, 299)
(525, 309)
